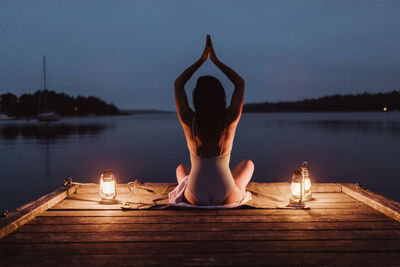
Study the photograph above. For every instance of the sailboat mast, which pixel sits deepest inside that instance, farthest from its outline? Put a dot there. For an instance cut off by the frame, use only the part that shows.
(44, 73)
(46, 115)
(44, 85)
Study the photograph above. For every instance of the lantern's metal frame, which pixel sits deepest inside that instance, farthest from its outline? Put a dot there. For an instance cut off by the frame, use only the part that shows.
(297, 203)
(306, 174)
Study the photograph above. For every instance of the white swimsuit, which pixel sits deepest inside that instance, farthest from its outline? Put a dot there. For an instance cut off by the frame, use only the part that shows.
(210, 179)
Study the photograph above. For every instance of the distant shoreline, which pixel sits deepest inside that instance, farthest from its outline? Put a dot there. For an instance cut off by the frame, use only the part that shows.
(323, 111)
(121, 113)
(335, 103)
(143, 111)
(26, 106)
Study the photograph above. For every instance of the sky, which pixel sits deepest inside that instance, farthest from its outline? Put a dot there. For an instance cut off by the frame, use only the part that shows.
(130, 52)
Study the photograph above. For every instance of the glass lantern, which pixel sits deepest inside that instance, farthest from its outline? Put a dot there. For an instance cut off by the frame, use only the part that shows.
(108, 187)
(307, 183)
(297, 189)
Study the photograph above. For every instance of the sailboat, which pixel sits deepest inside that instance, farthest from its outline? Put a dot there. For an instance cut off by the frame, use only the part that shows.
(46, 115)
(4, 117)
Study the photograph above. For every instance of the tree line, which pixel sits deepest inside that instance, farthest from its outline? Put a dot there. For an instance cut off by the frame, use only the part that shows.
(334, 103)
(61, 103)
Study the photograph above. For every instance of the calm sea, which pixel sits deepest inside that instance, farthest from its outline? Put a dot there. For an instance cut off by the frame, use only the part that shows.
(340, 147)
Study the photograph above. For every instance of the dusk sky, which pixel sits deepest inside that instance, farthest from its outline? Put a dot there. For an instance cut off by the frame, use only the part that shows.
(130, 52)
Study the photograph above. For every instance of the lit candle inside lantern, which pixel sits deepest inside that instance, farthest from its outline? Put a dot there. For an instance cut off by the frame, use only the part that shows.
(108, 186)
(307, 183)
(297, 189)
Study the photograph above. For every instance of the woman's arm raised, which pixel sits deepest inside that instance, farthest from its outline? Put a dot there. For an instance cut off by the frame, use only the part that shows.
(236, 106)
(185, 113)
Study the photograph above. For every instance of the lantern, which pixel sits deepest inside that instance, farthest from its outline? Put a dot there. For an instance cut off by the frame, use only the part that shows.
(297, 189)
(307, 183)
(108, 187)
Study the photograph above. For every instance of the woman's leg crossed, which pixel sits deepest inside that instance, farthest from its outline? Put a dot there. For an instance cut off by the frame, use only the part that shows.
(242, 174)
(181, 172)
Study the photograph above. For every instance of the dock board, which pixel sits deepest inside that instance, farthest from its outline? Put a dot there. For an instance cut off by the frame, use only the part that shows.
(338, 230)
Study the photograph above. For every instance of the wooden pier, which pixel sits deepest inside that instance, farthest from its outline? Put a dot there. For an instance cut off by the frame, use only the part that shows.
(345, 225)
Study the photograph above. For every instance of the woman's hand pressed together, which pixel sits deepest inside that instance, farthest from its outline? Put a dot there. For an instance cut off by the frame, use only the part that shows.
(213, 56)
(206, 51)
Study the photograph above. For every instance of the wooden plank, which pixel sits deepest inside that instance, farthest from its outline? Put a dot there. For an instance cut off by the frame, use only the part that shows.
(326, 188)
(29, 211)
(333, 205)
(212, 259)
(95, 199)
(87, 203)
(201, 212)
(386, 206)
(146, 236)
(91, 204)
(209, 219)
(185, 247)
(331, 196)
(134, 213)
(187, 227)
(315, 187)
(94, 189)
(127, 188)
(314, 211)
(315, 202)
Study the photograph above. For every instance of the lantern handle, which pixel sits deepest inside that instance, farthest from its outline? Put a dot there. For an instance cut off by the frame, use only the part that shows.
(67, 182)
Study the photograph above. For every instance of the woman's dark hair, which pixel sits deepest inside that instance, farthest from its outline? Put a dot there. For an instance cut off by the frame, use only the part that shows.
(209, 101)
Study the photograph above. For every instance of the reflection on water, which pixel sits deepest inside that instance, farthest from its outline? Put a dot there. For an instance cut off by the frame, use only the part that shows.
(31, 169)
(342, 126)
(50, 131)
(340, 147)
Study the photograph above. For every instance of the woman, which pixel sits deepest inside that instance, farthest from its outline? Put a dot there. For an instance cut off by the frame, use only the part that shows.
(209, 132)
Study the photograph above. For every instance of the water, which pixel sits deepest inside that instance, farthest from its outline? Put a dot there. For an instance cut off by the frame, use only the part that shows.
(340, 147)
